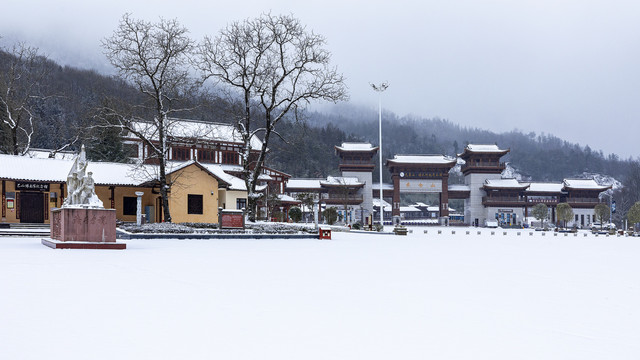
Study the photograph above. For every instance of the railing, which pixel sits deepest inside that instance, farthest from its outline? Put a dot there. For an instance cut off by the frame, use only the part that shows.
(583, 200)
(517, 200)
(348, 197)
(355, 162)
(543, 201)
(484, 165)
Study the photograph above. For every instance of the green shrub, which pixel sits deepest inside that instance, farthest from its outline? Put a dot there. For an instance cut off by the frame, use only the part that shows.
(295, 214)
(330, 215)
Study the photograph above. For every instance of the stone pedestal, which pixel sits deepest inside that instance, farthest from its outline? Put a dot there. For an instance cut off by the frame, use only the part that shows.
(83, 228)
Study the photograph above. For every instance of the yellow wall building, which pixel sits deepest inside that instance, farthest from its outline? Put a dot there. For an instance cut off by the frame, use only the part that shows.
(31, 187)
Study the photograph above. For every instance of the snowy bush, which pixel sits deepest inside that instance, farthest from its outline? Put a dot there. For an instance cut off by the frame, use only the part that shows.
(165, 228)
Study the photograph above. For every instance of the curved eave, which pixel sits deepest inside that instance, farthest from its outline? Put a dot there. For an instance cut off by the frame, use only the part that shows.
(444, 164)
(598, 189)
(354, 186)
(34, 180)
(467, 153)
(545, 193)
(302, 190)
(516, 188)
(122, 184)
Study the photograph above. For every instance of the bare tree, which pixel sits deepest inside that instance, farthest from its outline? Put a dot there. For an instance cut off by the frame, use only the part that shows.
(154, 57)
(275, 66)
(21, 76)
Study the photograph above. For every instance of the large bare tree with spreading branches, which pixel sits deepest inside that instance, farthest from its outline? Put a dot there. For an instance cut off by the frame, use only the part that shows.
(21, 77)
(155, 58)
(275, 66)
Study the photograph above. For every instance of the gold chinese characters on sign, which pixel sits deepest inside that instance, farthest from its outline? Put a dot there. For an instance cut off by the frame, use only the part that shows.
(421, 186)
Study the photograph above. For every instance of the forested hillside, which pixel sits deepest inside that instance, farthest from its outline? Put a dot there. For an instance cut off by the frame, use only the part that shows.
(70, 97)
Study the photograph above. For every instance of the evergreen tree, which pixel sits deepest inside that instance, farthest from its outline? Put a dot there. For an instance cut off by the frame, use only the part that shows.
(565, 213)
(541, 213)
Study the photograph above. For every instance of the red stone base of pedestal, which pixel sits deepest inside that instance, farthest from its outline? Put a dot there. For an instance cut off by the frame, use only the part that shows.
(83, 228)
(55, 244)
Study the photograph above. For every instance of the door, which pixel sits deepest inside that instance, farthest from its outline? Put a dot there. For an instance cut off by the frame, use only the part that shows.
(31, 207)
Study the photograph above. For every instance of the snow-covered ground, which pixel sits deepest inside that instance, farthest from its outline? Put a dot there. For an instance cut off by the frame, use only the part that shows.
(359, 296)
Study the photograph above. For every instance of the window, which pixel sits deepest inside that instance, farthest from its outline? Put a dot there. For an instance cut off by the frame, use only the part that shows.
(241, 204)
(131, 150)
(229, 157)
(181, 154)
(206, 156)
(194, 205)
(129, 205)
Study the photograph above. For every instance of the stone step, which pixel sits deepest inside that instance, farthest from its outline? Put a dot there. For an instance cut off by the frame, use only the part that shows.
(24, 226)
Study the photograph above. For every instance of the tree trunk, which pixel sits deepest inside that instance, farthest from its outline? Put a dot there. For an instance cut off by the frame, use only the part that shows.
(14, 141)
(252, 205)
(164, 188)
(164, 193)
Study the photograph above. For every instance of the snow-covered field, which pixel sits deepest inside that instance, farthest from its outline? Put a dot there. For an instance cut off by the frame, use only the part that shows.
(358, 296)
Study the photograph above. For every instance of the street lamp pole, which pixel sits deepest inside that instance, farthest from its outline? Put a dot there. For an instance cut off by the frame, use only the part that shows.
(380, 88)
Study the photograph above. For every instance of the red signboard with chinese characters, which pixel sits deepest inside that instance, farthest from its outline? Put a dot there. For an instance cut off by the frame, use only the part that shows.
(231, 220)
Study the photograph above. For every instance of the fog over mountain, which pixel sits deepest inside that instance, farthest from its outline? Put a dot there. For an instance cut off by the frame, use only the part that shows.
(567, 68)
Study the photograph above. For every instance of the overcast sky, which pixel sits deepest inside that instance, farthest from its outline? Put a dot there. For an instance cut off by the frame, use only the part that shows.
(568, 68)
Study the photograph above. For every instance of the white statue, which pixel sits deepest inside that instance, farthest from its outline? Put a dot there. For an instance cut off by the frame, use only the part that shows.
(81, 189)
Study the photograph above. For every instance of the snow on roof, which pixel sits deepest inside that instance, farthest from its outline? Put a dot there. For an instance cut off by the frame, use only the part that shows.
(484, 148)
(353, 146)
(385, 186)
(231, 168)
(409, 208)
(459, 187)
(57, 170)
(238, 169)
(46, 154)
(504, 183)
(584, 184)
(104, 173)
(422, 159)
(235, 183)
(287, 198)
(107, 173)
(386, 205)
(340, 180)
(545, 187)
(184, 128)
(35, 169)
(293, 184)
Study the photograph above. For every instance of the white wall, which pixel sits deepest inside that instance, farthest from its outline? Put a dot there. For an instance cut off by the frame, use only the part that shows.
(366, 192)
(473, 208)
